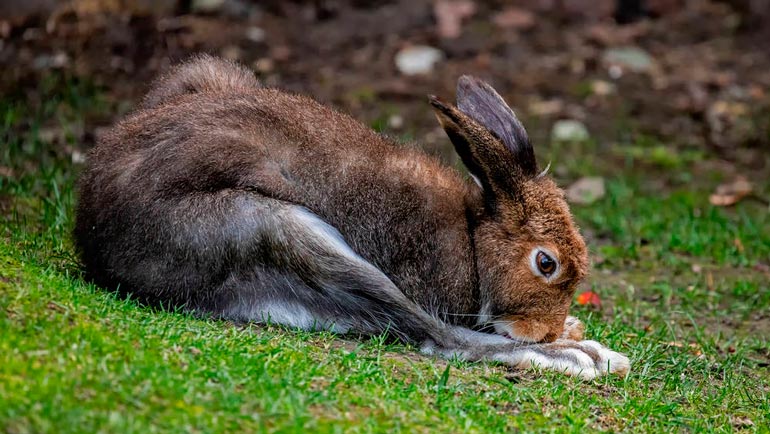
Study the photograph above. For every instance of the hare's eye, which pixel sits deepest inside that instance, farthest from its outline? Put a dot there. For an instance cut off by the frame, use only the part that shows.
(545, 263)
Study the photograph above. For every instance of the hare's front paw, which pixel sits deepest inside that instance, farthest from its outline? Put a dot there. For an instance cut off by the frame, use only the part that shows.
(585, 359)
(574, 329)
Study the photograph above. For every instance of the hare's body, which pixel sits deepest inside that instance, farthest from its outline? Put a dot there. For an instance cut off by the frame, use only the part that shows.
(253, 204)
(225, 149)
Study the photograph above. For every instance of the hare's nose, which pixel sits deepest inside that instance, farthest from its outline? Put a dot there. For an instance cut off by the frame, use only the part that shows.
(523, 328)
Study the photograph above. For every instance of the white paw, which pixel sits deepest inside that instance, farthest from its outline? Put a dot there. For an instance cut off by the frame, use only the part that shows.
(584, 359)
(610, 362)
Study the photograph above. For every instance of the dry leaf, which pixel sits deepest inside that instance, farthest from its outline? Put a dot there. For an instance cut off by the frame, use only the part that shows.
(694, 348)
(730, 193)
(738, 245)
(589, 298)
(514, 18)
(741, 422)
(546, 108)
(450, 14)
(6, 172)
(56, 307)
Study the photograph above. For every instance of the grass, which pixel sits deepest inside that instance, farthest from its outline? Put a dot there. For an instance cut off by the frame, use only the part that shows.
(681, 297)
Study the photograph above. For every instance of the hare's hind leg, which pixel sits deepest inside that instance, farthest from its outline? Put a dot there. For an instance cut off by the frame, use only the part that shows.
(293, 268)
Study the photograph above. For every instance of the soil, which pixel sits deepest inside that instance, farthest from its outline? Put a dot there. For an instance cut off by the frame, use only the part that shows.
(705, 84)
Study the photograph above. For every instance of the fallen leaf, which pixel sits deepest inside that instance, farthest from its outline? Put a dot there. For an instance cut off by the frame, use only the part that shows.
(586, 190)
(450, 14)
(514, 18)
(589, 298)
(693, 347)
(6, 172)
(546, 108)
(731, 192)
(738, 245)
(741, 422)
(56, 307)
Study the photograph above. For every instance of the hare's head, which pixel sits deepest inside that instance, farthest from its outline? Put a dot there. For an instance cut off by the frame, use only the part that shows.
(530, 256)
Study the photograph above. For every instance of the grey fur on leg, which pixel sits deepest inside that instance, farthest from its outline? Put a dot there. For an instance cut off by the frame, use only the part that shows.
(309, 245)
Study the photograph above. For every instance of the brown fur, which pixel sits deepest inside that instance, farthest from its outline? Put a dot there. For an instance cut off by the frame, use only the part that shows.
(526, 211)
(448, 245)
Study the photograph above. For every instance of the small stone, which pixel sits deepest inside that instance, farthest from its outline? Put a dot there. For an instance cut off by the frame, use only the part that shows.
(55, 61)
(232, 52)
(418, 59)
(255, 34)
(549, 107)
(264, 65)
(206, 6)
(602, 88)
(586, 190)
(631, 58)
(615, 72)
(569, 130)
(395, 122)
(78, 157)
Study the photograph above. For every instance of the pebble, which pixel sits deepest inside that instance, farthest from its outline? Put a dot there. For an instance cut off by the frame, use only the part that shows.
(206, 6)
(418, 59)
(569, 130)
(586, 190)
(631, 58)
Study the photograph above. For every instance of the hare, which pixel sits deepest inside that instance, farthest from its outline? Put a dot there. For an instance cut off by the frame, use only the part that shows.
(253, 204)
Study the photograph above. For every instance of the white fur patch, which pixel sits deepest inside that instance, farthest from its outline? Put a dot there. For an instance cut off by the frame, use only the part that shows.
(276, 312)
(289, 314)
(327, 234)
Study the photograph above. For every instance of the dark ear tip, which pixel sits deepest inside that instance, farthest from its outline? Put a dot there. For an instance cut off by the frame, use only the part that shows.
(468, 82)
(436, 102)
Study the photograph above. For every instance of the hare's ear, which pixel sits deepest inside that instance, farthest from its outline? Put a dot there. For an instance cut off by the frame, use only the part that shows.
(486, 134)
(479, 100)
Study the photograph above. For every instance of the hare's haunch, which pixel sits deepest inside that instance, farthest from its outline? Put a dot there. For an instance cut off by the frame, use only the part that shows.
(254, 204)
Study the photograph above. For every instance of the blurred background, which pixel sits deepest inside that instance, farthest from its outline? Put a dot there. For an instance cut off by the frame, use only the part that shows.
(659, 82)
